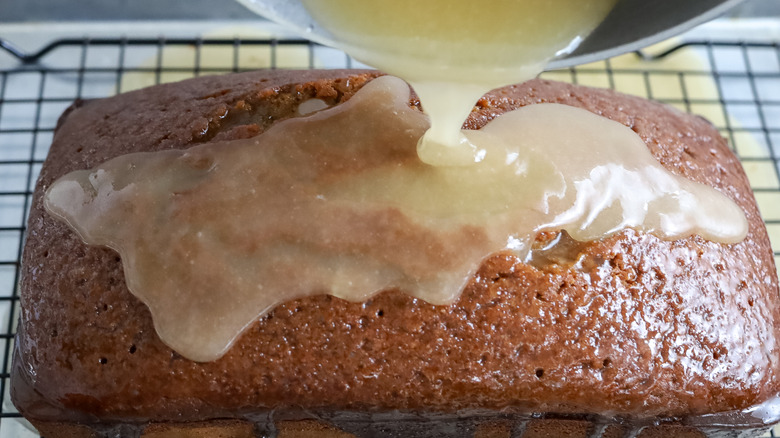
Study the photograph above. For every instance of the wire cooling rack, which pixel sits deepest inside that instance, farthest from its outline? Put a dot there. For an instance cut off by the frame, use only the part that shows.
(735, 85)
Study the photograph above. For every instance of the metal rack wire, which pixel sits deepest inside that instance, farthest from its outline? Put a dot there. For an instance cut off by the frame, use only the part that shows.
(736, 85)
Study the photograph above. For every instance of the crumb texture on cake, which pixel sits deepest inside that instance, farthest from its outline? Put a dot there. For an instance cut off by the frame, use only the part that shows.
(639, 326)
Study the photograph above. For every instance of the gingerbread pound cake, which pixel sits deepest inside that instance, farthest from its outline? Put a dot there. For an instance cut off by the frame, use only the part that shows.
(630, 335)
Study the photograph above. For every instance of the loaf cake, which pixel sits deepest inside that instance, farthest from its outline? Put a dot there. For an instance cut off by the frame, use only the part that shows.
(643, 337)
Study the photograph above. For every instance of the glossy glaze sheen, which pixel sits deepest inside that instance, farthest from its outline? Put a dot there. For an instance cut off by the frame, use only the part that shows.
(339, 203)
(638, 327)
(454, 51)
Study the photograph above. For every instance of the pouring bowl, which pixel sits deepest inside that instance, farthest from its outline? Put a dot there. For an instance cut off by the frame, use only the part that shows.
(631, 25)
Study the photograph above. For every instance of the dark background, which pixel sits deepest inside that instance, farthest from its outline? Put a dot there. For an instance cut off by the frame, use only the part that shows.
(76, 10)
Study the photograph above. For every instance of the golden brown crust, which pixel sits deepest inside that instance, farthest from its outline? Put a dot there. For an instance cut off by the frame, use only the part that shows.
(645, 327)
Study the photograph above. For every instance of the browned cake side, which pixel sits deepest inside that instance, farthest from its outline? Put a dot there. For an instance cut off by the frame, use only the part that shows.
(643, 328)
